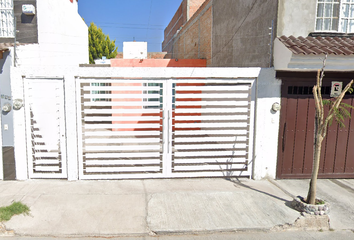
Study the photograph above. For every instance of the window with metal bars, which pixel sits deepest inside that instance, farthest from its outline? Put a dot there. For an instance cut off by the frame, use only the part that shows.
(307, 90)
(156, 102)
(101, 92)
(7, 19)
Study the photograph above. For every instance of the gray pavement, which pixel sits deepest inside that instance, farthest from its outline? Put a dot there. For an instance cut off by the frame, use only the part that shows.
(339, 193)
(163, 207)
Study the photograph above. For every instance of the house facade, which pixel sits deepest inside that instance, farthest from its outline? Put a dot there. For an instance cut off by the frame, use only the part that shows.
(224, 33)
(292, 38)
(34, 33)
(326, 28)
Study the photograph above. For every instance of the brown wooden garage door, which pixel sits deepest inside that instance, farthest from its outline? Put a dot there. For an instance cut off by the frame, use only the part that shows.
(296, 133)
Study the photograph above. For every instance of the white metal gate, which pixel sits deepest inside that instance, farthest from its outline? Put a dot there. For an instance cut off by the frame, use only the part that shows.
(45, 123)
(163, 128)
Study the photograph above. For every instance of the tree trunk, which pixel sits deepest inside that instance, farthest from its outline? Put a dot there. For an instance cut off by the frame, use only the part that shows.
(311, 196)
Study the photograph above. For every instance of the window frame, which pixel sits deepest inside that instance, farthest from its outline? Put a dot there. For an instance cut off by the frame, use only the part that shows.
(340, 17)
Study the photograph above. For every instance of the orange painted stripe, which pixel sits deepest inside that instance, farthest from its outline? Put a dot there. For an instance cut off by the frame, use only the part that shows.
(189, 99)
(188, 107)
(189, 92)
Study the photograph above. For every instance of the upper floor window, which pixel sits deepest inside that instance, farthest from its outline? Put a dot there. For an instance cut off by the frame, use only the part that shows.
(6, 19)
(335, 15)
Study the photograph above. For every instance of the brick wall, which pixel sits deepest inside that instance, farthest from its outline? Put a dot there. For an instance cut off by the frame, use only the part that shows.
(194, 5)
(194, 39)
(228, 33)
(175, 24)
(183, 14)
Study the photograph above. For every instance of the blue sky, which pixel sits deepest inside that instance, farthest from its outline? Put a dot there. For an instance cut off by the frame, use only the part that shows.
(126, 20)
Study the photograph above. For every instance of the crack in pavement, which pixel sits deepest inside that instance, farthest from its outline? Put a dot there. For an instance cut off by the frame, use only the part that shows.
(147, 200)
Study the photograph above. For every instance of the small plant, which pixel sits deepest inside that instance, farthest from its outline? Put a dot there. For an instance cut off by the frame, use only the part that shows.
(319, 202)
(15, 208)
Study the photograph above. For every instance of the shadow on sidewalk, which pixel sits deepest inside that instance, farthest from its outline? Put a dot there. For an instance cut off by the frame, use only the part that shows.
(237, 182)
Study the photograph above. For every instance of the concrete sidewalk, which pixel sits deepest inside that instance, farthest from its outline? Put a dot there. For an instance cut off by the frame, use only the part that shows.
(164, 206)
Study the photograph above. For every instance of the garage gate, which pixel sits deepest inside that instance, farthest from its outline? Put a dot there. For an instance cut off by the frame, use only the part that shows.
(296, 132)
(163, 128)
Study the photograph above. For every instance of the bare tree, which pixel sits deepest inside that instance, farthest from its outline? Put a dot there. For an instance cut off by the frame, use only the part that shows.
(337, 111)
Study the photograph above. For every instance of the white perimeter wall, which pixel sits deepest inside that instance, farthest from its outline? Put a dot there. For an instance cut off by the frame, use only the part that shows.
(266, 127)
(62, 36)
(135, 50)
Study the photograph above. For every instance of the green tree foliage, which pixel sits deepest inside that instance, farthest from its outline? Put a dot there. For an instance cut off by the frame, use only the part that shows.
(100, 44)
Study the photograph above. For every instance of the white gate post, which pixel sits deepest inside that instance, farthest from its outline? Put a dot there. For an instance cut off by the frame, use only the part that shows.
(17, 89)
(71, 126)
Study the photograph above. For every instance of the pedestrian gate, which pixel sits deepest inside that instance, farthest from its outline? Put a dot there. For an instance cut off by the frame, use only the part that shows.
(46, 145)
(163, 128)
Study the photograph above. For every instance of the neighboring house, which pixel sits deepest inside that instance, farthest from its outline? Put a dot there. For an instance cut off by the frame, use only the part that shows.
(35, 33)
(323, 27)
(225, 32)
(135, 55)
(292, 36)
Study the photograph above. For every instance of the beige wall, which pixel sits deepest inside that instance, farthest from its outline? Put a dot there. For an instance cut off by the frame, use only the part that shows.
(241, 32)
(296, 18)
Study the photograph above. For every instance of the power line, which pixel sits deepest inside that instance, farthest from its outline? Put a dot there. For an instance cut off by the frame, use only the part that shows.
(128, 24)
(243, 21)
(147, 30)
(151, 28)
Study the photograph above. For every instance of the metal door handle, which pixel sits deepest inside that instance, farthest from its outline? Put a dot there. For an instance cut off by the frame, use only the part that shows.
(168, 131)
(284, 136)
(163, 129)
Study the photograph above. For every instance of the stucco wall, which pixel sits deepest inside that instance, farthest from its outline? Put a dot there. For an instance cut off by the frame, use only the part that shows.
(241, 32)
(62, 36)
(267, 126)
(297, 23)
